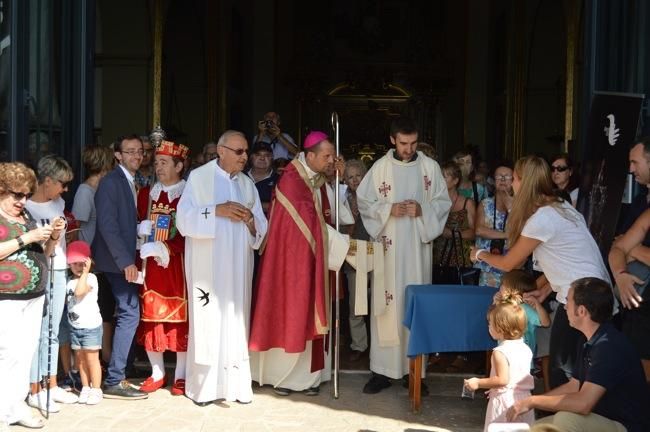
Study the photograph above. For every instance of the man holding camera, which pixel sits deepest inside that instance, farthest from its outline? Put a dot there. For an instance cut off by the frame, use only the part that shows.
(269, 132)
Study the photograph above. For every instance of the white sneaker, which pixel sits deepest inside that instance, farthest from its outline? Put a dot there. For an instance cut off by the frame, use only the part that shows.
(95, 396)
(39, 401)
(62, 396)
(83, 396)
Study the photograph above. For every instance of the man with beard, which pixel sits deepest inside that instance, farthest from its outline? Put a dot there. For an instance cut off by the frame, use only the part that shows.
(404, 203)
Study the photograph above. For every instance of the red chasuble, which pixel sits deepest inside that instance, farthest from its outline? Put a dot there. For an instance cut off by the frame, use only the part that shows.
(292, 301)
(163, 297)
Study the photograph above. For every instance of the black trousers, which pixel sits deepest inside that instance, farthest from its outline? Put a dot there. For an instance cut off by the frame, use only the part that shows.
(563, 348)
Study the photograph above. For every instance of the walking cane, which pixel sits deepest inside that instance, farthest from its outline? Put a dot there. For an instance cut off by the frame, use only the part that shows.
(337, 318)
(49, 336)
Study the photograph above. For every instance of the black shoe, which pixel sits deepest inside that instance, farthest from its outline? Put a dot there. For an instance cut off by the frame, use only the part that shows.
(376, 384)
(123, 390)
(281, 391)
(424, 390)
(312, 391)
(203, 404)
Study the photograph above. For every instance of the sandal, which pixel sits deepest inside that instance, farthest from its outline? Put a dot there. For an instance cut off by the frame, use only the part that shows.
(31, 422)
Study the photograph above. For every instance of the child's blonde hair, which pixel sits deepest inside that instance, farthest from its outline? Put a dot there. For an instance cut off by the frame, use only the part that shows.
(507, 316)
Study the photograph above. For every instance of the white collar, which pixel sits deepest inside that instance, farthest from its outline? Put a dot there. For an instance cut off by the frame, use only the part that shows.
(128, 175)
(174, 191)
(222, 173)
(310, 173)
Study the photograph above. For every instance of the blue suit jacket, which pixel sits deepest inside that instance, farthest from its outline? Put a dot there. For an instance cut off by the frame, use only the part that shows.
(114, 244)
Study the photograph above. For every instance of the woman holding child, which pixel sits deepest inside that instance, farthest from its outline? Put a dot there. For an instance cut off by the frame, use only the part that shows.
(549, 228)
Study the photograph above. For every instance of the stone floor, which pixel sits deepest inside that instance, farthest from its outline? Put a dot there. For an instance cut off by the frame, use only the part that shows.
(389, 410)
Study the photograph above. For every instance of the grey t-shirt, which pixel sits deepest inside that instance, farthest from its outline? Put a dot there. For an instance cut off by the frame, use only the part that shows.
(83, 210)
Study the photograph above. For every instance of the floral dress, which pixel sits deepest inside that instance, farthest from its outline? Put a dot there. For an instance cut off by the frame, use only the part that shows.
(23, 274)
(496, 219)
(442, 247)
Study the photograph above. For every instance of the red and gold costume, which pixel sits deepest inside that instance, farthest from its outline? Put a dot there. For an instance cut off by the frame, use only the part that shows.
(163, 325)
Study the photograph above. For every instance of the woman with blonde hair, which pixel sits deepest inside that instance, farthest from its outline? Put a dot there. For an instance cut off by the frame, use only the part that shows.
(549, 228)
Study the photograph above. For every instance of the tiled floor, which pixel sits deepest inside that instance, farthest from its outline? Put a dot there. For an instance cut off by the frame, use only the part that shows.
(389, 410)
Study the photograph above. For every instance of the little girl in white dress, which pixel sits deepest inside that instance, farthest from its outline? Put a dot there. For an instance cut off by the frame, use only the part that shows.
(510, 379)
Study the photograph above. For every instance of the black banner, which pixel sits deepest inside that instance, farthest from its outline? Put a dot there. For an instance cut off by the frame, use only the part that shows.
(611, 129)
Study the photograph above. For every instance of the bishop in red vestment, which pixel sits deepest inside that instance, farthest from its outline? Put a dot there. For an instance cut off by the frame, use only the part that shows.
(289, 321)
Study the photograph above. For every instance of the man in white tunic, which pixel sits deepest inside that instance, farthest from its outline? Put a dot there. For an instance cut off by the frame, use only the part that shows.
(221, 217)
(404, 204)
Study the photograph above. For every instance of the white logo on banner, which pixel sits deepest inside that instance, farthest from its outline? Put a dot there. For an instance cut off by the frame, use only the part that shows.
(611, 131)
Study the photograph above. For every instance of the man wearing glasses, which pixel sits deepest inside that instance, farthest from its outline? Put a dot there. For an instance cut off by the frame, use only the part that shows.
(114, 249)
(221, 217)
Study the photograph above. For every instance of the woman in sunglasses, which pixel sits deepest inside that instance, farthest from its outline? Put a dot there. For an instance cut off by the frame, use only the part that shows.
(23, 276)
(46, 206)
(562, 175)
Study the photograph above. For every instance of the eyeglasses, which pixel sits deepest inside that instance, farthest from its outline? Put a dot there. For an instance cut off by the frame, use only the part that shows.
(238, 152)
(64, 184)
(559, 168)
(134, 152)
(18, 196)
(503, 177)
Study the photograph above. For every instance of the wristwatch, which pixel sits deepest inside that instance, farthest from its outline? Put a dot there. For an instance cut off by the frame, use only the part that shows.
(21, 243)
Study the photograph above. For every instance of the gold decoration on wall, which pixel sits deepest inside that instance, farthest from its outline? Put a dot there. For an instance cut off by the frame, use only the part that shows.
(572, 12)
(157, 60)
(516, 99)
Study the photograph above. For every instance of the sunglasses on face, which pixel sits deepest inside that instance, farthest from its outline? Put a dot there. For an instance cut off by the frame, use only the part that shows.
(559, 168)
(64, 184)
(18, 196)
(238, 152)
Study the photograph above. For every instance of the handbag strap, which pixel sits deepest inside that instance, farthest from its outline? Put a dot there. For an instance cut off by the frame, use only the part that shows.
(494, 217)
(459, 251)
(447, 250)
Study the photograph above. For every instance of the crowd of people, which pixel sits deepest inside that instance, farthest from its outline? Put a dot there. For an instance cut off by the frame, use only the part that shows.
(227, 260)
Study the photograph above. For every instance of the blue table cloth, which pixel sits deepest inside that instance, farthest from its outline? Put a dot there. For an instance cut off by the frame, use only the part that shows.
(444, 318)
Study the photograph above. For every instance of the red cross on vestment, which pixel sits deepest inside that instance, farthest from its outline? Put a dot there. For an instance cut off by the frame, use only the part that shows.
(389, 297)
(427, 183)
(386, 242)
(384, 188)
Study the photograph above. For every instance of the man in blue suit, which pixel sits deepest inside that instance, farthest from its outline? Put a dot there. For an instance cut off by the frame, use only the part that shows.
(114, 251)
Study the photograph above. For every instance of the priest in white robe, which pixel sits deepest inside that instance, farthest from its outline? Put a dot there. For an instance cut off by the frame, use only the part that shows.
(404, 204)
(221, 217)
